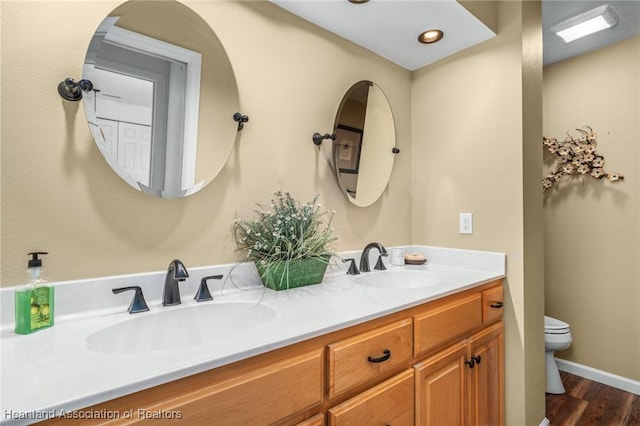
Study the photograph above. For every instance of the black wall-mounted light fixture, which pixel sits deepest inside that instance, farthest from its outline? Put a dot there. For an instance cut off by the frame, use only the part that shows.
(71, 90)
(318, 138)
(240, 119)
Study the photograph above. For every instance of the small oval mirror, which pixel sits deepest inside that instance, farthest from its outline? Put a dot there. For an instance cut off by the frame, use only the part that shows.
(363, 151)
(164, 96)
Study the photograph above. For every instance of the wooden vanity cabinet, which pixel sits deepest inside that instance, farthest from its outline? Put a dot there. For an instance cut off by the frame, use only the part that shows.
(487, 377)
(409, 367)
(464, 383)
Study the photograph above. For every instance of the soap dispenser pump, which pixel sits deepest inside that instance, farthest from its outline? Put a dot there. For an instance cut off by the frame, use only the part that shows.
(34, 302)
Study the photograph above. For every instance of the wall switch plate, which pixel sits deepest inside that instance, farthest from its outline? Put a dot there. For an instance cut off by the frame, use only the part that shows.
(466, 223)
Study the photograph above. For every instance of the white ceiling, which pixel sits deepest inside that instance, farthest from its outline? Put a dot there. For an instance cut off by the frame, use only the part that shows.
(390, 27)
(554, 11)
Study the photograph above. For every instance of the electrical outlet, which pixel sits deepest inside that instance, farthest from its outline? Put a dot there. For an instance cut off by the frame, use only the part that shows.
(466, 223)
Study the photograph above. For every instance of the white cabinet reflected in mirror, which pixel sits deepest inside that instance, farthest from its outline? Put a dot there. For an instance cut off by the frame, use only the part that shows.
(164, 96)
(364, 148)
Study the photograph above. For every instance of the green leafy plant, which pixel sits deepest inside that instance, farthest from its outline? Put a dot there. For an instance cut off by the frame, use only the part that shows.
(288, 231)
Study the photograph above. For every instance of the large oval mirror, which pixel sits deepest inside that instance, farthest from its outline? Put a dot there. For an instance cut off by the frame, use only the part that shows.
(364, 148)
(164, 96)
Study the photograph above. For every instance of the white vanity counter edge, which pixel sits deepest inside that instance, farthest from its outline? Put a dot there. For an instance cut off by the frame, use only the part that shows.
(52, 371)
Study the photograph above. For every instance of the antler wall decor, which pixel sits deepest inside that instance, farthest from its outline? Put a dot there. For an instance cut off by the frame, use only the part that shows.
(577, 156)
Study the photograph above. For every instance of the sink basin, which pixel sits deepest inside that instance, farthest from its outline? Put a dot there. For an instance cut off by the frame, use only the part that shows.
(398, 279)
(182, 327)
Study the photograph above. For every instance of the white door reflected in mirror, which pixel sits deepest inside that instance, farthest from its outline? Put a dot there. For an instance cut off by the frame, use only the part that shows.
(145, 62)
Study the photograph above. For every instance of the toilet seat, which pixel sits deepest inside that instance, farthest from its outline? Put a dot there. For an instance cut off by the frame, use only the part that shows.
(555, 326)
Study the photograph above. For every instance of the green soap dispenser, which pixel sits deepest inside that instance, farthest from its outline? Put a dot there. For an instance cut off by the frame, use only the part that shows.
(34, 302)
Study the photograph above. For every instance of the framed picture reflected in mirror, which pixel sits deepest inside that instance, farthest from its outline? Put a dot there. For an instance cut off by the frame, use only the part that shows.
(349, 146)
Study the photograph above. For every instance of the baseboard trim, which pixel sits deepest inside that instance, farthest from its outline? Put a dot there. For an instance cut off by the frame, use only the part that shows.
(599, 376)
(545, 422)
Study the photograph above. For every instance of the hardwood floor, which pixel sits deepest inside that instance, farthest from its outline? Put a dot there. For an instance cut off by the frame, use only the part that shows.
(591, 403)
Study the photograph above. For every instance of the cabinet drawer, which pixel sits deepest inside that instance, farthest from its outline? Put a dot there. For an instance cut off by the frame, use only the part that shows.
(363, 357)
(389, 403)
(492, 304)
(447, 323)
(268, 394)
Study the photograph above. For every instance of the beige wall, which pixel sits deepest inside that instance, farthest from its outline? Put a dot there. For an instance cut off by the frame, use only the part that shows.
(592, 227)
(481, 111)
(59, 195)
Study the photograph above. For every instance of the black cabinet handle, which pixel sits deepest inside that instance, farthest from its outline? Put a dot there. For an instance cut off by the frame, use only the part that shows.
(477, 359)
(383, 358)
(470, 362)
(496, 305)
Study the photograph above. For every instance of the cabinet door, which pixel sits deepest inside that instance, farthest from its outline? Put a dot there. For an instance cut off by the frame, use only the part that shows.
(487, 380)
(389, 403)
(441, 388)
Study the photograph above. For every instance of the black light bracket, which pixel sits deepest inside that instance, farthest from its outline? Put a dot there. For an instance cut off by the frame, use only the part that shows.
(240, 119)
(71, 90)
(318, 138)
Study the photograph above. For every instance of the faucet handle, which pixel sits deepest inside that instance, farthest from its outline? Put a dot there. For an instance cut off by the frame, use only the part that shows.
(353, 269)
(379, 264)
(138, 303)
(203, 294)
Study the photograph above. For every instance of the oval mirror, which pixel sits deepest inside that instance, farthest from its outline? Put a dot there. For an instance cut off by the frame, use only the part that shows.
(161, 111)
(364, 148)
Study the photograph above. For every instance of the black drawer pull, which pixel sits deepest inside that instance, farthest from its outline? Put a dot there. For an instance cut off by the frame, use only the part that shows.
(496, 305)
(383, 358)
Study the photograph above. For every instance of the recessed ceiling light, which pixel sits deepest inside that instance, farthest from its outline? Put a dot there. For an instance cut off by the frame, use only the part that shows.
(430, 36)
(586, 23)
(358, 1)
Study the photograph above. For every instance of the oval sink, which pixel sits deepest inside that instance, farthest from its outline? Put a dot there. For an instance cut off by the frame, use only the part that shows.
(398, 279)
(183, 327)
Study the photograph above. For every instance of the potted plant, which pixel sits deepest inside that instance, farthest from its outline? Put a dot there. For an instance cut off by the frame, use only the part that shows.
(290, 243)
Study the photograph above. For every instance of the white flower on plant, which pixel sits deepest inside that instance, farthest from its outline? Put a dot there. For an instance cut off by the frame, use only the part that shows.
(598, 162)
(583, 169)
(613, 176)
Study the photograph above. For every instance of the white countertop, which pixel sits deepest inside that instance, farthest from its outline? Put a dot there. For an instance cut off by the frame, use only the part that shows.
(53, 371)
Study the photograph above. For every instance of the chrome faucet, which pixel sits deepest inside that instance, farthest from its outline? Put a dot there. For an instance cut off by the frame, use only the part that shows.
(175, 273)
(364, 258)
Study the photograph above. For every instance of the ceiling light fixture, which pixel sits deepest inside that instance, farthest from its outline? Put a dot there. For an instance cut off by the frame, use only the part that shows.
(589, 22)
(430, 36)
(358, 1)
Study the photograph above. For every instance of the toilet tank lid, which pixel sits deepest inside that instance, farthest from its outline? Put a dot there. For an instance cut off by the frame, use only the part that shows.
(554, 324)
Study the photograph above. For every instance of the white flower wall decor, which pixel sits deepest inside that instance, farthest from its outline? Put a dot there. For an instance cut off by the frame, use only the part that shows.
(576, 156)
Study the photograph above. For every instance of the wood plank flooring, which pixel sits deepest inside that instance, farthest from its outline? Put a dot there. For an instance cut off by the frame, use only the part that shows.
(591, 403)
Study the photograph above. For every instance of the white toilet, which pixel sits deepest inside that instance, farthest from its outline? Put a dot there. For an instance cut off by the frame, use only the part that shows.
(557, 337)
